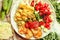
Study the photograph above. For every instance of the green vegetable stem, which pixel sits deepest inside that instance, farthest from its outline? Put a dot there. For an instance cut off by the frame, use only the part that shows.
(5, 4)
(2, 15)
(9, 6)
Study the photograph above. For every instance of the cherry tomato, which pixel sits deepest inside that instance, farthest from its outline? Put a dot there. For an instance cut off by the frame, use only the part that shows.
(41, 23)
(35, 24)
(32, 3)
(48, 12)
(47, 19)
(27, 25)
(37, 7)
(47, 25)
(40, 4)
(45, 5)
(45, 11)
(32, 25)
(40, 13)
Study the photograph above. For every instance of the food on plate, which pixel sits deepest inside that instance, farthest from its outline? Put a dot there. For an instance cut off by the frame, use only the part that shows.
(6, 5)
(5, 30)
(37, 32)
(28, 33)
(31, 18)
(32, 3)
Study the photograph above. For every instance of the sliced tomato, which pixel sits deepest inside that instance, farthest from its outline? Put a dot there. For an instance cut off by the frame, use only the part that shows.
(47, 25)
(35, 24)
(40, 13)
(32, 3)
(27, 25)
(45, 5)
(37, 7)
(47, 19)
(32, 25)
(45, 11)
(41, 23)
(40, 4)
(48, 12)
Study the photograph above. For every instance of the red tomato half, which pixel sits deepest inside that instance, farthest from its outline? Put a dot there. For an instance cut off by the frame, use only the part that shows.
(35, 24)
(41, 23)
(37, 7)
(47, 19)
(31, 25)
(47, 25)
(32, 3)
(27, 25)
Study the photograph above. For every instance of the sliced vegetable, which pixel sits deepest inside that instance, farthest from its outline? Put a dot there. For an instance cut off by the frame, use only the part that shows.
(3, 15)
(41, 23)
(47, 25)
(38, 6)
(38, 17)
(5, 8)
(32, 25)
(5, 4)
(9, 6)
(47, 19)
(32, 3)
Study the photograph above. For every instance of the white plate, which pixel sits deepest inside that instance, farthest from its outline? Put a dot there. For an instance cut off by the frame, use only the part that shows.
(14, 25)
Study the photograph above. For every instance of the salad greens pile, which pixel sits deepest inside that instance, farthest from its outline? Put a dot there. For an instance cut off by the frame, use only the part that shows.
(51, 36)
(56, 5)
